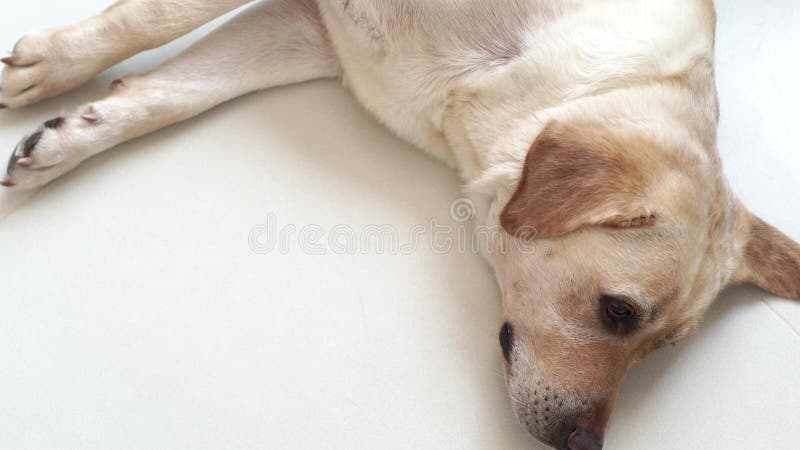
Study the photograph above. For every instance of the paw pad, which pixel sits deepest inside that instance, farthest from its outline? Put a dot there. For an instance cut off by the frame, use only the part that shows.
(23, 151)
(29, 144)
(54, 124)
(22, 154)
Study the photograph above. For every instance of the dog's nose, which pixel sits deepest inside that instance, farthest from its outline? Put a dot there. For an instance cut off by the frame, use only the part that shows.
(583, 439)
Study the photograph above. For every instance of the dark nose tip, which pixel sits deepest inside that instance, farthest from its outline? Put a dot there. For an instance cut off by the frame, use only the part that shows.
(583, 439)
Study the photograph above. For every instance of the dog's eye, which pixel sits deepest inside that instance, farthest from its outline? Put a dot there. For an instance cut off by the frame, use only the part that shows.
(617, 310)
(617, 315)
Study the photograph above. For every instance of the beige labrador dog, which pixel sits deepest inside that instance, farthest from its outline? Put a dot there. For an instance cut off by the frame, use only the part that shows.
(587, 126)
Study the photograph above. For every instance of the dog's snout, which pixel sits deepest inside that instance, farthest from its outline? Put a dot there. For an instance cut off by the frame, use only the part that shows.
(507, 341)
(583, 439)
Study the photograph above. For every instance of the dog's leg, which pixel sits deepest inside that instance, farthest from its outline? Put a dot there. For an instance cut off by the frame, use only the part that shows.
(47, 63)
(270, 44)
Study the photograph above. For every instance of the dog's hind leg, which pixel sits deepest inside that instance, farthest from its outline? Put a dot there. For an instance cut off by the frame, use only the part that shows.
(47, 63)
(270, 44)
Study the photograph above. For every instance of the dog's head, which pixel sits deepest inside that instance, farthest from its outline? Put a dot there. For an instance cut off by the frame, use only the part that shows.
(633, 238)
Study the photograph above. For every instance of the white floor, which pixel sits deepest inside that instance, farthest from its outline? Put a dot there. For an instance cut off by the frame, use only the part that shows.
(135, 315)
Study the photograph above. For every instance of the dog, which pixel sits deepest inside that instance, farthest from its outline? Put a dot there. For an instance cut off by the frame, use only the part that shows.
(587, 127)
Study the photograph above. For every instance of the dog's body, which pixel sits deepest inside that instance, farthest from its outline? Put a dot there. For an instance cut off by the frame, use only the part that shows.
(622, 181)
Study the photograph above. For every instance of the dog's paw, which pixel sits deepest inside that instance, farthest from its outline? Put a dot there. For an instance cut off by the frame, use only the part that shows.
(44, 64)
(53, 149)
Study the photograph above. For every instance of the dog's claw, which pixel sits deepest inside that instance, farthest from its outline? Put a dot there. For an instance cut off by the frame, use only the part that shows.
(25, 162)
(90, 115)
(116, 84)
(7, 183)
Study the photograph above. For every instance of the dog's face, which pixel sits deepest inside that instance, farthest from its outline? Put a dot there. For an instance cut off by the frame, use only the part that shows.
(633, 238)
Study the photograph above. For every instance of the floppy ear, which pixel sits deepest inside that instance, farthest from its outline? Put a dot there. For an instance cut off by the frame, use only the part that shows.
(577, 177)
(770, 259)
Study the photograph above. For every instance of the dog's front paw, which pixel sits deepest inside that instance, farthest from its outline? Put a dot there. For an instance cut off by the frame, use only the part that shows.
(44, 64)
(56, 147)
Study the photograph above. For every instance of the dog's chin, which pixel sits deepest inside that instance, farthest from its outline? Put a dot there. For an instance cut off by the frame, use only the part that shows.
(536, 425)
(554, 416)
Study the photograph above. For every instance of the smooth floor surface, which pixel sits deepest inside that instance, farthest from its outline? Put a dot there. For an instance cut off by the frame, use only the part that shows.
(136, 312)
